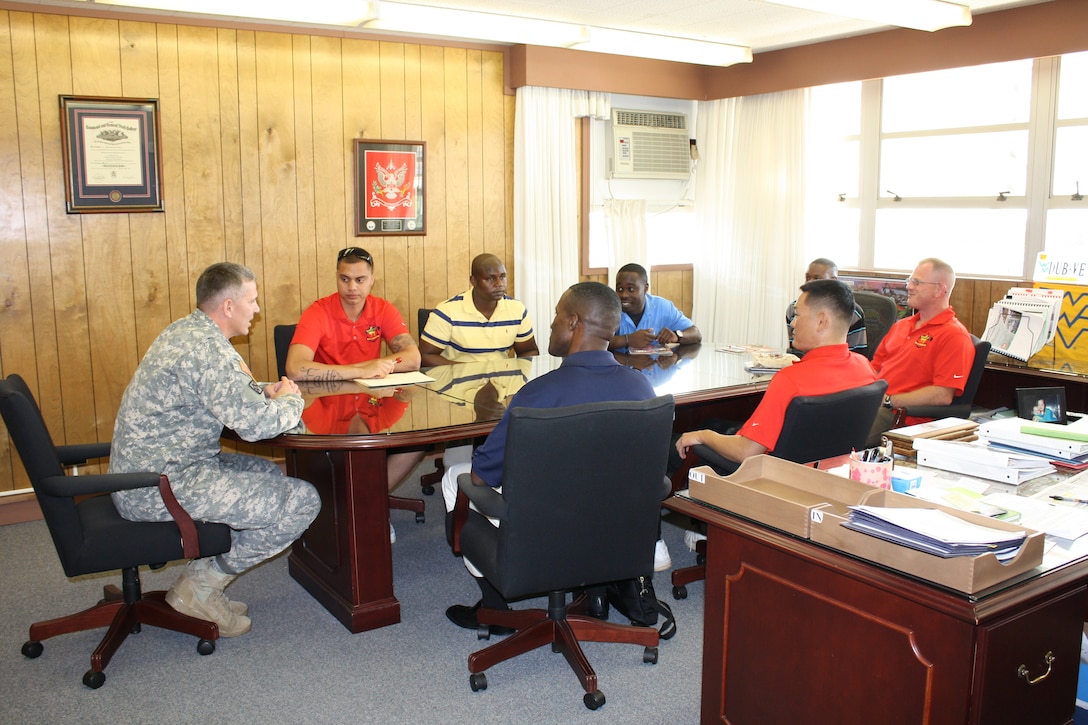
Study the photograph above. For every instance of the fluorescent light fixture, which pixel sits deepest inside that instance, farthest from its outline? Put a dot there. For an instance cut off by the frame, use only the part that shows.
(324, 12)
(447, 22)
(664, 47)
(927, 15)
(441, 22)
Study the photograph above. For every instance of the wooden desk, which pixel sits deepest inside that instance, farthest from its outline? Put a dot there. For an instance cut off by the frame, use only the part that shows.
(795, 632)
(344, 559)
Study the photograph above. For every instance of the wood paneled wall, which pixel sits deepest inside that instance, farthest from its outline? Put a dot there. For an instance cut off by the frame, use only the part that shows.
(257, 131)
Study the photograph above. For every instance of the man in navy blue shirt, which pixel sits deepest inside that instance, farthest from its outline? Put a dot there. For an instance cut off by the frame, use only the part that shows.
(585, 318)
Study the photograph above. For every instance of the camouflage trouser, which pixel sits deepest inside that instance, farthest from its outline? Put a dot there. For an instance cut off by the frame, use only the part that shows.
(266, 510)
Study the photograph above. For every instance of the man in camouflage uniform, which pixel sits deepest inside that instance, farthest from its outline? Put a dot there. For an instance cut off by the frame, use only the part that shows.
(189, 385)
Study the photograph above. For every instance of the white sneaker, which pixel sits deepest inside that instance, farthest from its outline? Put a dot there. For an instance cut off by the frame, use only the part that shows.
(691, 538)
(662, 560)
(392, 534)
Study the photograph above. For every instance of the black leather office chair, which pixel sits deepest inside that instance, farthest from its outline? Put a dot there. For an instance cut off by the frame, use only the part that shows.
(815, 427)
(880, 314)
(580, 505)
(960, 407)
(281, 336)
(91, 537)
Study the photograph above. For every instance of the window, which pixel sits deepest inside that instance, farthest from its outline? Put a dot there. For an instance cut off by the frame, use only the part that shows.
(979, 166)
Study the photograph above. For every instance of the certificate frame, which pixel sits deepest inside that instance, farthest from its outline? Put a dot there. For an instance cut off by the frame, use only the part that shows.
(390, 188)
(111, 150)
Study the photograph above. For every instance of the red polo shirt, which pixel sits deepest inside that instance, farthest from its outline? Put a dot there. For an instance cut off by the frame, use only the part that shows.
(824, 370)
(336, 340)
(940, 352)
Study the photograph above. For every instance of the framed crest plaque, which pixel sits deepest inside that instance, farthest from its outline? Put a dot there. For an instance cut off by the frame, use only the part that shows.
(111, 154)
(389, 188)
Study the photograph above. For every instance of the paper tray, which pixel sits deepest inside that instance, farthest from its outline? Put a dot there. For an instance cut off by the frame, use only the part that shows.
(778, 493)
(968, 574)
(813, 504)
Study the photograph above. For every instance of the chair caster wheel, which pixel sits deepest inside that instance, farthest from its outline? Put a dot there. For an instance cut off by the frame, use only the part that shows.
(700, 559)
(32, 649)
(649, 655)
(420, 517)
(680, 591)
(205, 647)
(477, 681)
(593, 700)
(483, 631)
(93, 679)
(428, 490)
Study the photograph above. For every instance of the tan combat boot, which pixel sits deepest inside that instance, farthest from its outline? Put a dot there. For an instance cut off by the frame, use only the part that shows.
(198, 592)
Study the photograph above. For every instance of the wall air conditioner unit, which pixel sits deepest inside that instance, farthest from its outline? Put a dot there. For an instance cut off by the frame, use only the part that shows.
(650, 145)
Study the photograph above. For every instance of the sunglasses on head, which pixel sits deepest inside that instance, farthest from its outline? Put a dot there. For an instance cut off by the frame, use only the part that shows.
(356, 252)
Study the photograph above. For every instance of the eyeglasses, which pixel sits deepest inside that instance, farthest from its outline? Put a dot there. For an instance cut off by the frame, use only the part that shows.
(915, 281)
(356, 252)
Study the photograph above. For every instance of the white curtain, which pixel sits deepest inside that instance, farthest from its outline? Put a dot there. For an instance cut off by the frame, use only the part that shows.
(750, 210)
(546, 177)
(625, 223)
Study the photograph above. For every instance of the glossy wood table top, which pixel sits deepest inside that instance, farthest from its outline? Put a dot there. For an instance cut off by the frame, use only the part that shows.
(468, 399)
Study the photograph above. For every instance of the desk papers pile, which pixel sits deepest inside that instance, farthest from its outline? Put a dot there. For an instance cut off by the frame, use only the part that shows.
(1017, 434)
(934, 532)
(980, 461)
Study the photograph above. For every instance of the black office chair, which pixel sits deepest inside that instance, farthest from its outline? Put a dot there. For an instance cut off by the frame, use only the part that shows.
(281, 337)
(960, 407)
(815, 427)
(91, 537)
(880, 314)
(580, 506)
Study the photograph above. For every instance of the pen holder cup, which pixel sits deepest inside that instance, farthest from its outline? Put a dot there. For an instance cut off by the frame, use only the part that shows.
(874, 474)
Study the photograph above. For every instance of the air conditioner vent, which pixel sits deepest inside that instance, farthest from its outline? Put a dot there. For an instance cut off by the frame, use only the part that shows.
(651, 119)
(650, 145)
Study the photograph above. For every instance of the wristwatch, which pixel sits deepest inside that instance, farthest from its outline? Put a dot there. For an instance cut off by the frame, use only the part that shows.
(887, 401)
(679, 335)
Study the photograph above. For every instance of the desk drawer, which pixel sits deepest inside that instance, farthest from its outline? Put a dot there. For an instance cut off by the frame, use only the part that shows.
(1040, 645)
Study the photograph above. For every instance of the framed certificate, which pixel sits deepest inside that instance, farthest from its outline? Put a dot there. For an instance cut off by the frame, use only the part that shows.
(389, 188)
(111, 154)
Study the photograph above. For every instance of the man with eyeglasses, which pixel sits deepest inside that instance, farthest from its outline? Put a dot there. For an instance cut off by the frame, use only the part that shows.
(926, 357)
(339, 337)
(482, 323)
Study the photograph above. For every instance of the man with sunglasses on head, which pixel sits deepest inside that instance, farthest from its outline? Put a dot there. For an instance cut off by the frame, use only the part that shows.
(339, 337)
(926, 357)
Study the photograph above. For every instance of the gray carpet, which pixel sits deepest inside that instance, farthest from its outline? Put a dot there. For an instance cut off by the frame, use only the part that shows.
(299, 664)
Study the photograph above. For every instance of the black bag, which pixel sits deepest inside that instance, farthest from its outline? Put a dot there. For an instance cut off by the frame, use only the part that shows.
(636, 600)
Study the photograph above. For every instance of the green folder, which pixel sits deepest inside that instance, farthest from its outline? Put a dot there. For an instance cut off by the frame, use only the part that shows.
(1055, 431)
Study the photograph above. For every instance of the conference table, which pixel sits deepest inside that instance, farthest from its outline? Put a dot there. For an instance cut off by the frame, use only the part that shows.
(344, 559)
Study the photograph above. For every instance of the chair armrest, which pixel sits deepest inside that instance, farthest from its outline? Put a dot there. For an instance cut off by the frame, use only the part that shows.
(666, 488)
(97, 483)
(714, 459)
(190, 541)
(82, 452)
(68, 486)
(486, 499)
(928, 411)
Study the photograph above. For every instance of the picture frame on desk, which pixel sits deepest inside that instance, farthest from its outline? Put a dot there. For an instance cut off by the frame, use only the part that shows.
(1042, 405)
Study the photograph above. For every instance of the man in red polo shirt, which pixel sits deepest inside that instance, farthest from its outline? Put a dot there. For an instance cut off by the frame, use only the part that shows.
(926, 357)
(825, 311)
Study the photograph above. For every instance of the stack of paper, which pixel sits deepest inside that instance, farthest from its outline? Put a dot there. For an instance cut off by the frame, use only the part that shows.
(980, 461)
(934, 532)
(1019, 435)
(948, 429)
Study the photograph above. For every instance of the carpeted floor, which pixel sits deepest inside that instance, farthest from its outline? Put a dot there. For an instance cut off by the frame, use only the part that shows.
(299, 664)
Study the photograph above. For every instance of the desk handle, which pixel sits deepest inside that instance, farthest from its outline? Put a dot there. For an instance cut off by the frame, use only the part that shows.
(1023, 671)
